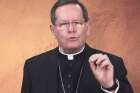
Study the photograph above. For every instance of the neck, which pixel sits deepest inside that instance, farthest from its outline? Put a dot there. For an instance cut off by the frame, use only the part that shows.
(71, 51)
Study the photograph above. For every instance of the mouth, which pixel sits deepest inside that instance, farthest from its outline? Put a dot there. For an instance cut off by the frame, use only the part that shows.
(73, 38)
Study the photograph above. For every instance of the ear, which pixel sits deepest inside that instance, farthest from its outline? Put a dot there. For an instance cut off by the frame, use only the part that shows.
(52, 28)
(88, 28)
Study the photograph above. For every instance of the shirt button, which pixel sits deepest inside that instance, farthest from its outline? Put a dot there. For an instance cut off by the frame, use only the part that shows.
(69, 86)
(69, 75)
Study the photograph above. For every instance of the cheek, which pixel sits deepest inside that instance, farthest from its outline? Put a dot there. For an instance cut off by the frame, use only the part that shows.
(60, 36)
(84, 35)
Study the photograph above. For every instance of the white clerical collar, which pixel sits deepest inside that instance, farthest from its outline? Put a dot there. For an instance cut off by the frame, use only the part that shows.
(71, 56)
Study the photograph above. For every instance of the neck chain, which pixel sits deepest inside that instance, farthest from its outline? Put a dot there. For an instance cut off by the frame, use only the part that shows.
(60, 74)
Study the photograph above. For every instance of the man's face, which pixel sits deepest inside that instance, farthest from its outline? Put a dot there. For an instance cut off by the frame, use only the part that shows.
(70, 28)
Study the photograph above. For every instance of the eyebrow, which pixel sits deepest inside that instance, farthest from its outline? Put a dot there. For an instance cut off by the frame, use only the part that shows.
(71, 20)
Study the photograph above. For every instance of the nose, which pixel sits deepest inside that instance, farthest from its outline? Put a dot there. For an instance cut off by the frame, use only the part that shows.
(71, 28)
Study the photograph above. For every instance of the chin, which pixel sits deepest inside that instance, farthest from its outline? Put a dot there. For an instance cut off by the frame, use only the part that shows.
(74, 46)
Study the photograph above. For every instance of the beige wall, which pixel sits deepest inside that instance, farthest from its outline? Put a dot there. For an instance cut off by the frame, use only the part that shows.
(24, 32)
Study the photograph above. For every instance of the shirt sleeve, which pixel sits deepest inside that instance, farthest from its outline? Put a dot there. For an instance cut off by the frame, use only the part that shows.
(115, 91)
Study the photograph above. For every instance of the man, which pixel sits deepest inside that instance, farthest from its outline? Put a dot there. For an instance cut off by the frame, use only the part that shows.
(74, 67)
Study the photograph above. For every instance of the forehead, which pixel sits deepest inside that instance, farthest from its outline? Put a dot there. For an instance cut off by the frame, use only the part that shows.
(69, 12)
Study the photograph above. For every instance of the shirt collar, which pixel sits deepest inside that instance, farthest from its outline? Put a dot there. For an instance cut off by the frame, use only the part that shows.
(71, 56)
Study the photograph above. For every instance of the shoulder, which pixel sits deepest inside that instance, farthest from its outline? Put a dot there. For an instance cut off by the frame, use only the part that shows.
(115, 59)
(111, 56)
(41, 59)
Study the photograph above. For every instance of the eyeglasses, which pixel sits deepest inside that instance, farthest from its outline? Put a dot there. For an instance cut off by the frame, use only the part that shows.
(65, 25)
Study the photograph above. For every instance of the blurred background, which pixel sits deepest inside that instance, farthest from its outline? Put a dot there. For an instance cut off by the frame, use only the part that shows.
(24, 32)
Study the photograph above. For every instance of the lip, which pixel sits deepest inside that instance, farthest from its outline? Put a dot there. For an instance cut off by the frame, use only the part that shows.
(73, 38)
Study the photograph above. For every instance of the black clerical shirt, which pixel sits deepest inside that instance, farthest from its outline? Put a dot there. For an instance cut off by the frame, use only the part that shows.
(71, 71)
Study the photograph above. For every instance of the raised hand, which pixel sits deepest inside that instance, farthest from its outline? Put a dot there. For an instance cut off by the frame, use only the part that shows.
(102, 69)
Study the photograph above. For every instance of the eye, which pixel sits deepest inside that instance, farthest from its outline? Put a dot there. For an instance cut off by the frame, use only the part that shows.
(77, 23)
(62, 24)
